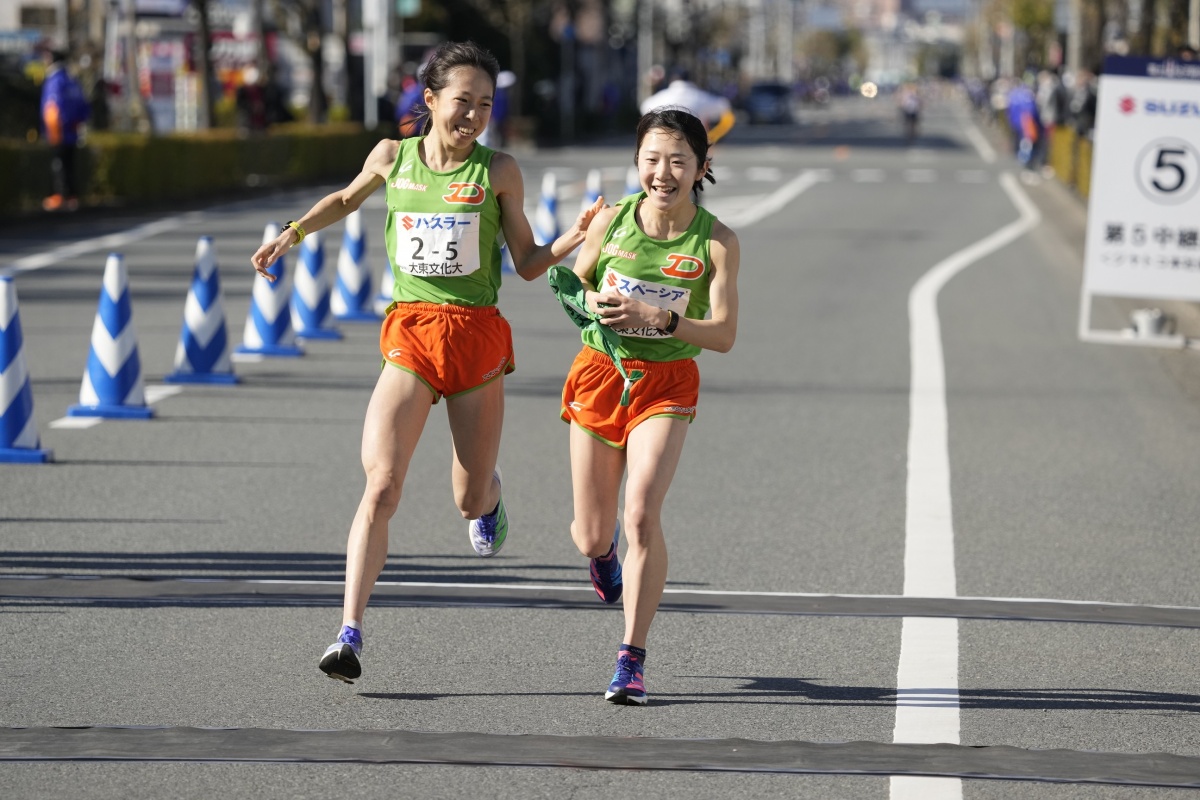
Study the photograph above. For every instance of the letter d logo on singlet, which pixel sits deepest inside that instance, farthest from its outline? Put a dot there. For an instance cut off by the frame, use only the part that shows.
(471, 194)
(683, 267)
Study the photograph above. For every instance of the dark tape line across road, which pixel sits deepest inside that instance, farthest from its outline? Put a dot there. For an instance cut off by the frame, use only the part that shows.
(594, 752)
(116, 591)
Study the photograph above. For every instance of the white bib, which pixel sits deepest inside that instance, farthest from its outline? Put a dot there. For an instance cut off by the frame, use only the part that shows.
(659, 295)
(437, 245)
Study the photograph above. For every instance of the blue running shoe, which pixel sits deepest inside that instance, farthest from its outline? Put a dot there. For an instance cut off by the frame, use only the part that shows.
(627, 687)
(606, 572)
(343, 658)
(489, 531)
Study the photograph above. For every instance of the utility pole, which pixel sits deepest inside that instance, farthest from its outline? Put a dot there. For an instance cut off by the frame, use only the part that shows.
(645, 47)
(785, 44)
(1074, 33)
(757, 33)
(375, 19)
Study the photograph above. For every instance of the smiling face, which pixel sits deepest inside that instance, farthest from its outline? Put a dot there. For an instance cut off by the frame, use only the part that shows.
(460, 110)
(668, 168)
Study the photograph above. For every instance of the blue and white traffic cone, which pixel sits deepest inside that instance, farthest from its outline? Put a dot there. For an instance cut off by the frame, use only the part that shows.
(310, 292)
(269, 322)
(383, 298)
(203, 352)
(19, 442)
(351, 300)
(545, 219)
(633, 184)
(112, 382)
(592, 189)
(506, 262)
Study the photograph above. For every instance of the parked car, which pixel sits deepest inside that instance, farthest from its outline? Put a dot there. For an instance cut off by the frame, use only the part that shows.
(769, 103)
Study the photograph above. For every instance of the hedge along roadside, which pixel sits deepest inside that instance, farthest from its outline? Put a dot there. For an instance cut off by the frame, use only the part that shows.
(134, 170)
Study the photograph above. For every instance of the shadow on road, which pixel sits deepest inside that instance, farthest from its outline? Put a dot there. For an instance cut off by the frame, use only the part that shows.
(757, 689)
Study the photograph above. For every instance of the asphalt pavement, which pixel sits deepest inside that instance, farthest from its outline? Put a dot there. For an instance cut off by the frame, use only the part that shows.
(1000, 605)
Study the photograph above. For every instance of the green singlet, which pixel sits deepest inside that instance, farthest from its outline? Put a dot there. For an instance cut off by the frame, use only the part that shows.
(673, 274)
(442, 230)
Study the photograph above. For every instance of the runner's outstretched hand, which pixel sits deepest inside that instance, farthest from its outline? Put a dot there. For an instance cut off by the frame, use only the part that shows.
(267, 255)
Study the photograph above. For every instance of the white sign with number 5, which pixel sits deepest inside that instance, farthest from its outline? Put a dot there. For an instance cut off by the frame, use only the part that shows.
(1143, 234)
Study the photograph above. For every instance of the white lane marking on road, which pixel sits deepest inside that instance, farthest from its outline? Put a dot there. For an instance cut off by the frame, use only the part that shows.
(76, 423)
(979, 142)
(159, 391)
(775, 201)
(867, 176)
(154, 393)
(111, 241)
(929, 647)
(767, 174)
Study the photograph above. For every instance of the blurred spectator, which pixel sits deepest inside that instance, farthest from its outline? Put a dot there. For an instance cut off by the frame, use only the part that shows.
(101, 118)
(260, 102)
(908, 100)
(1082, 105)
(1186, 53)
(409, 106)
(496, 135)
(1052, 109)
(64, 110)
(1024, 122)
(977, 92)
(276, 99)
(712, 109)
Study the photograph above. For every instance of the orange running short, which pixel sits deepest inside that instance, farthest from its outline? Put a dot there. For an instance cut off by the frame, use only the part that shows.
(592, 394)
(452, 349)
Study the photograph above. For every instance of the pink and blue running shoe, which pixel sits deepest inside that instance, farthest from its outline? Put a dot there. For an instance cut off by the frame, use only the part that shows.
(606, 572)
(343, 658)
(627, 687)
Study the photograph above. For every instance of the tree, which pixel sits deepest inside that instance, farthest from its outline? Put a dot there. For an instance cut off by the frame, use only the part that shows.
(1035, 19)
(307, 13)
(204, 63)
(512, 18)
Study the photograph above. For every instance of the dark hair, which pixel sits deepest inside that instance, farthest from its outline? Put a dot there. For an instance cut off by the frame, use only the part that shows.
(684, 123)
(448, 57)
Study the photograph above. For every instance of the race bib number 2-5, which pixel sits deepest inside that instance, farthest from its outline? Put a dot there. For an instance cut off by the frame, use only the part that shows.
(437, 245)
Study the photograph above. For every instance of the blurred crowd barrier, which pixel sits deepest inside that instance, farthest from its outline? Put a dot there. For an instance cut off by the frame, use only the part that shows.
(1070, 155)
(132, 170)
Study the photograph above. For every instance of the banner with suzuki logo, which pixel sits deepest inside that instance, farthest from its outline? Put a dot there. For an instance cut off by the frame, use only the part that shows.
(1143, 232)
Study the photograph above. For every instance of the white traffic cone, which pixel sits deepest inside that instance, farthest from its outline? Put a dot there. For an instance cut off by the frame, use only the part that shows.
(633, 184)
(592, 189)
(351, 300)
(19, 442)
(269, 323)
(203, 352)
(545, 219)
(310, 292)
(112, 382)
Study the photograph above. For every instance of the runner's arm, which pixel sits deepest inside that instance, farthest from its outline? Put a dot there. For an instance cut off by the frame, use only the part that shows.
(332, 207)
(530, 259)
(589, 254)
(722, 127)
